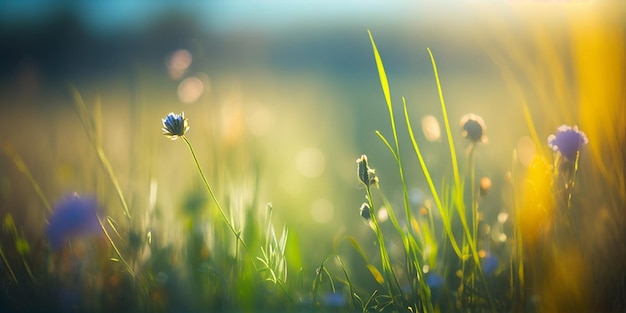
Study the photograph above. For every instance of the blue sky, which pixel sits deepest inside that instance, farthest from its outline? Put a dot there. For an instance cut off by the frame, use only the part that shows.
(222, 15)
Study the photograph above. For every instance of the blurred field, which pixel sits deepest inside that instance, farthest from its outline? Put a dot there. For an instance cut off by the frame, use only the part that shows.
(280, 109)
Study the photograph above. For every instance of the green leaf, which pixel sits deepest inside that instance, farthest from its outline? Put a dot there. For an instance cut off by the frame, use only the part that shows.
(356, 245)
(379, 278)
(381, 72)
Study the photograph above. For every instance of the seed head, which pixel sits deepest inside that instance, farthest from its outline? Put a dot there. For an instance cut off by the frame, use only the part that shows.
(366, 174)
(474, 128)
(365, 211)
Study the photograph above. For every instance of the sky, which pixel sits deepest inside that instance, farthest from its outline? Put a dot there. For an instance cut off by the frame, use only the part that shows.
(103, 16)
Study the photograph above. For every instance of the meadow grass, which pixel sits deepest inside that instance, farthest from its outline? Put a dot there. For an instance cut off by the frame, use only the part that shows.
(244, 282)
(452, 197)
(255, 278)
(232, 260)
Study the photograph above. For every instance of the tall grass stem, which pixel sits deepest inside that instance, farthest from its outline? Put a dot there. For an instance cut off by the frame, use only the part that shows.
(117, 251)
(92, 127)
(24, 169)
(212, 195)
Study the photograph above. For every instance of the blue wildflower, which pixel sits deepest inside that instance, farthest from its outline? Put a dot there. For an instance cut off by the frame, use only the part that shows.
(568, 141)
(72, 216)
(437, 284)
(334, 299)
(474, 128)
(175, 125)
(434, 281)
(489, 263)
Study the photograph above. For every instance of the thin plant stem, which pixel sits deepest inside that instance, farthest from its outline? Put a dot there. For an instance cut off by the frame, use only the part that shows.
(474, 203)
(319, 275)
(117, 251)
(212, 195)
(411, 255)
(396, 153)
(92, 127)
(457, 180)
(455, 165)
(445, 217)
(474, 197)
(109, 169)
(572, 181)
(7, 264)
(517, 262)
(349, 282)
(30, 273)
(386, 261)
(24, 169)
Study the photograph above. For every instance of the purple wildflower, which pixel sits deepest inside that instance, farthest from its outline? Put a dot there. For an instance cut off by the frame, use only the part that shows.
(568, 141)
(72, 216)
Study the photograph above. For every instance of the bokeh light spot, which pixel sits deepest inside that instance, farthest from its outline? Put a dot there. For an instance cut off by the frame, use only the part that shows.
(502, 217)
(190, 89)
(485, 229)
(485, 185)
(430, 128)
(310, 162)
(382, 214)
(177, 63)
(482, 254)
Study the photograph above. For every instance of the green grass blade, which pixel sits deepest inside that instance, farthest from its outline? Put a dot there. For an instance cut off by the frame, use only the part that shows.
(396, 154)
(394, 289)
(376, 274)
(384, 83)
(458, 189)
(445, 217)
(213, 197)
(384, 140)
(455, 165)
(353, 294)
(24, 169)
(8, 265)
(113, 225)
(383, 77)
(92, 128)
(117, 251)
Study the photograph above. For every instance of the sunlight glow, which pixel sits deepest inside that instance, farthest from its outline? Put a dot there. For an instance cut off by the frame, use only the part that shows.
(259, 121)
(310, 162)
(322, 211)
(525, 150)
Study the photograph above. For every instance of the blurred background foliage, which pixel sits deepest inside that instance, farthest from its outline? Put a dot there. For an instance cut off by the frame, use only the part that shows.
(282, 97)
